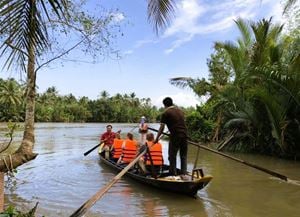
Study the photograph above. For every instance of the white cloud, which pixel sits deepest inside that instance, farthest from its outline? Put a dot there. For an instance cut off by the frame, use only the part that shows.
(118, 17)
(276, 12)
(186, 20)
(141, 43)
(128, 52)
(196, 17)
(178, 43)
(180, 99)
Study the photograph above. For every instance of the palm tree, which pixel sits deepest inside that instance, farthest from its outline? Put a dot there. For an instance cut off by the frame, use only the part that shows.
(160, 13)
(104, 94)
(268, 82)
(11, 94)
(262, 101)
(23, 28)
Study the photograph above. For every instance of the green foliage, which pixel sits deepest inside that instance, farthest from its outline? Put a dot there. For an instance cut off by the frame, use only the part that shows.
(266, 80)
(26, 29)
(11, 103)
(12, 127)
(253, 89)
(52, 107)
(219, 67)
(11, 211)
(199, 128)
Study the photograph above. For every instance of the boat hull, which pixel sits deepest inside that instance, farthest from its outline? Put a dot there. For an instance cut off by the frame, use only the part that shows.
(163, 181)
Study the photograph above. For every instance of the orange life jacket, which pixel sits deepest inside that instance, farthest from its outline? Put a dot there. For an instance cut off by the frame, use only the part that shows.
(129, 150)
(117, 148)
(156, 154)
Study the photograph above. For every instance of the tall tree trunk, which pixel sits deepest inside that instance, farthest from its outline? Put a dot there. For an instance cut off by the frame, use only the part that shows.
(216, 135)
(28, 136)
(24, 153)
(1, 191)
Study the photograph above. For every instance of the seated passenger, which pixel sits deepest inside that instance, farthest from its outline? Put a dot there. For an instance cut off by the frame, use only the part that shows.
(117, 147)
(129, 149)
(155, 158)
(108, 138)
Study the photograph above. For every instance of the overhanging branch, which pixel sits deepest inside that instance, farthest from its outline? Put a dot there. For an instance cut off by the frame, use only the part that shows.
(58, 56)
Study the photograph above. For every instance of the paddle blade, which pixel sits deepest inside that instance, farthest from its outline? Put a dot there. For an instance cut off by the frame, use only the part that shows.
(92, 149)
(100, 150)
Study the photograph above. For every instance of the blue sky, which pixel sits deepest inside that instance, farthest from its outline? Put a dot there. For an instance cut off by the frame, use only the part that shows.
(149, 61)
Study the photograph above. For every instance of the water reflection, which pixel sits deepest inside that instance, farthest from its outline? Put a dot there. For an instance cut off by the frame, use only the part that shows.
(62, 179)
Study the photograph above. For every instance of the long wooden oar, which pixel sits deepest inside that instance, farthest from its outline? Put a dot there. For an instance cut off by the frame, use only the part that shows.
(278, 175)
(92, 149)
(89, 203)
(96, 146)
(273, 173)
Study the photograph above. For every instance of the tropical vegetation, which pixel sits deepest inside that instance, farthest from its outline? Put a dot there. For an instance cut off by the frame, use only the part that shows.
(254, 90)
(30, 30)
(53, 107)
(29, 41)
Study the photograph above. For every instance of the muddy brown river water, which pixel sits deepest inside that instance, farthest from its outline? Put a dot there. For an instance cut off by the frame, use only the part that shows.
(61, 179)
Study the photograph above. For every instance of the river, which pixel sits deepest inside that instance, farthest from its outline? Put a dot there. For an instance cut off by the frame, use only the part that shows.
(61, 179)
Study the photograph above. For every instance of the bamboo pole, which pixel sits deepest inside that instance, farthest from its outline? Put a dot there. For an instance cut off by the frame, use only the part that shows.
(89, 203)
(273, 173)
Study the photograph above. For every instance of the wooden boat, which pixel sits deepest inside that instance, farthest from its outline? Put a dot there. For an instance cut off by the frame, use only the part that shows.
(161, 179)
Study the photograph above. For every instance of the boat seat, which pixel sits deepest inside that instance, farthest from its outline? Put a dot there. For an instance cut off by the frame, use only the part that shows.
(197, 173)
(156, 169)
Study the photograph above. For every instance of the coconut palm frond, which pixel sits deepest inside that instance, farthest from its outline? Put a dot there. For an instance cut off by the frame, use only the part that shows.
(275, 54)
(160, 12)
(274, 32)
(23, 26)
(245, 31)
(60, 8)
(266, 36)
(236, 122)
(288, 5)
(276, 114)
(10, 93)
(181, 82)
(295, 66)
(236, 56)
(260, 30)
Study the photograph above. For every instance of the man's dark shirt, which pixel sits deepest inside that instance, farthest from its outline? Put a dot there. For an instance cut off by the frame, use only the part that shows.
(173, 117)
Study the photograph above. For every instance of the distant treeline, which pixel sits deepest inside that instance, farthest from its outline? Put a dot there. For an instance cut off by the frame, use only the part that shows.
(52, 107)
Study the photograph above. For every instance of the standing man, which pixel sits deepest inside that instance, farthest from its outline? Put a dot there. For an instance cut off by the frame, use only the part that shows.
(143, 129)
(108, 139)
(173, 117)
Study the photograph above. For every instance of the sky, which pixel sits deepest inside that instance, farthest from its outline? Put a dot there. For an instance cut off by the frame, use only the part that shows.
(148, 60)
